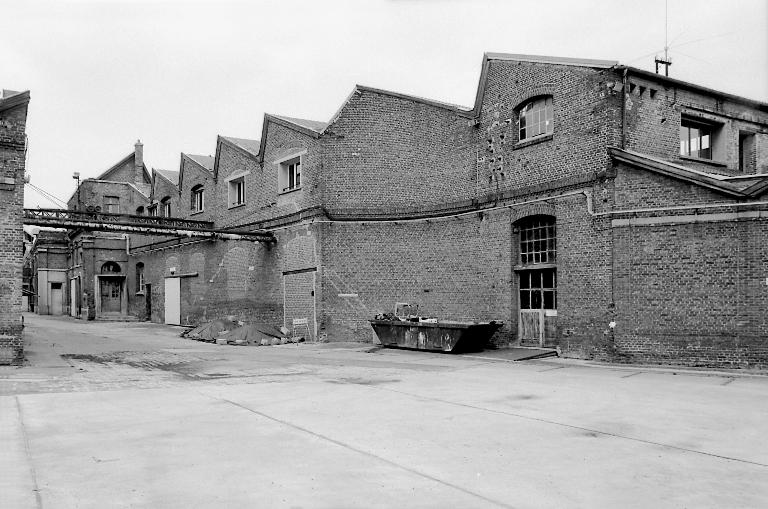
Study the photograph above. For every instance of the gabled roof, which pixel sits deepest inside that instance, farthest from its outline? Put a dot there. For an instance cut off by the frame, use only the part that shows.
(169, 175)
(737, 187)
(119, 164)
(10, 99)
(250, 146)
(312, 125)
(205, 162)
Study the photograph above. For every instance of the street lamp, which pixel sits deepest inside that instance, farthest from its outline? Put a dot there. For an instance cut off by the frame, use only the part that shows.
(76, 176)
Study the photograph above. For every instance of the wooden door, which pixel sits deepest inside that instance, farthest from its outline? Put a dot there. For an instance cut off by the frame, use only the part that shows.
(173, 301)
(57, 299)
(531, 327)
(110, 295)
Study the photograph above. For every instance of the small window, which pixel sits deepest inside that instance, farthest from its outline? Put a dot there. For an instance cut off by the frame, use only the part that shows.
(110, 268)
(112, 204)
(536, 118)
(140, 277)
(140, 211)
(153, 210)
(696, 139)
(197, 198)
(236, 191)
(166, 204)
(290, 175)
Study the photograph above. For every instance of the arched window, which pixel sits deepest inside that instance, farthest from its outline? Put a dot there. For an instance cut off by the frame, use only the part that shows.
(140, 210)
(535, 118)
(110, 268)
(166, 205)
(197, 198)
(140, 277)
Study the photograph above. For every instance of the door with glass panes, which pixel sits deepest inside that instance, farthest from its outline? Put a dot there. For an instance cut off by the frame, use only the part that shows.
(537, 279)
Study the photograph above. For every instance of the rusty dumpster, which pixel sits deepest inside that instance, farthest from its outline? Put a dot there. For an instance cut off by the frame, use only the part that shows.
(442, 336)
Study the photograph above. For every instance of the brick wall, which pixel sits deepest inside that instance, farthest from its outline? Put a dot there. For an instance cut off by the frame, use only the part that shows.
(693, 294)
(92, 193)
(653, 125)
(191, 175)
(13, 117)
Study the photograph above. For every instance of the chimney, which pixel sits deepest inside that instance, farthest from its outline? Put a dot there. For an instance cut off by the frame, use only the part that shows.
(139, 161)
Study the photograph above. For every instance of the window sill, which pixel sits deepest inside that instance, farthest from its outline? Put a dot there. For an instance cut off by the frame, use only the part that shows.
(533, 141)
(237, 205)
(534, 266)
(710, 162)
(289, 191)
(198, 212)
(139, 293)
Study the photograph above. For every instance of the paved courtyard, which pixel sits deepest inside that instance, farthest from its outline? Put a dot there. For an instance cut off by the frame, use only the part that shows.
(131, 415)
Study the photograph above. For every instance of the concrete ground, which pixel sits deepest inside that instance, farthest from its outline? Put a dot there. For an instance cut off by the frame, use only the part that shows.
(134, 416)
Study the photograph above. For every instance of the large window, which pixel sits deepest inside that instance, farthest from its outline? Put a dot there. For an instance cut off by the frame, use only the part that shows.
(536, 118)
(538, 254)
(538, 241)
(236, 191)
(166, 205)
(538, 289)
(112, 204)
(696, 139)
(290, 175)
(197, 198)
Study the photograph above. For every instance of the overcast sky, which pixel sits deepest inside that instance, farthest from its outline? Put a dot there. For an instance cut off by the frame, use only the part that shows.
(176, 74)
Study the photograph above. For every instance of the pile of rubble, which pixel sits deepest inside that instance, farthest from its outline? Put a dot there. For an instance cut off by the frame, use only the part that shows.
(233, 332)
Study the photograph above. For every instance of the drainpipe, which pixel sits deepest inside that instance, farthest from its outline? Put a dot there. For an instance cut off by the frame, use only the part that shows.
(127, 244)
(624, 109)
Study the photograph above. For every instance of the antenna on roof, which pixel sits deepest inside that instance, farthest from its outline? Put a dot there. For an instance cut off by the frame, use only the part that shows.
(666, 62)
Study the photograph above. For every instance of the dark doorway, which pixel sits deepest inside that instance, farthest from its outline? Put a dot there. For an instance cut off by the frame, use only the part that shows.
(148, 300)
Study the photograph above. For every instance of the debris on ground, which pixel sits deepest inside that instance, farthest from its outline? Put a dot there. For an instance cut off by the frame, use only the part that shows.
(232, 332)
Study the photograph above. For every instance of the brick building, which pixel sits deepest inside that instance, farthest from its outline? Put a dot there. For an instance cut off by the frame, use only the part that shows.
(98, 261)
(593, 207)
(13, 144)
(47, 261)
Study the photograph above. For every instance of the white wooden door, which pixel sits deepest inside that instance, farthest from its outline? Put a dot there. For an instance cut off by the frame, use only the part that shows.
(57, 299)
(72, 297)
(173, 301)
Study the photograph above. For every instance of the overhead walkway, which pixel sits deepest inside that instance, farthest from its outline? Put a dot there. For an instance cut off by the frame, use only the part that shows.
(143, 225)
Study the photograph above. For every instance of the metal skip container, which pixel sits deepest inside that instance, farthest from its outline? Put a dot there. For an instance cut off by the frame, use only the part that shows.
(443, 336)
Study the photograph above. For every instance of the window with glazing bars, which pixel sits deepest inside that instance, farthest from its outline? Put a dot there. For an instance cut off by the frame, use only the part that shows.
(538, 289)
(538, 242)
(536, 118)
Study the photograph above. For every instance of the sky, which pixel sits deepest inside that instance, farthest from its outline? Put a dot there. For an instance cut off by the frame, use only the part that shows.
(176, 74)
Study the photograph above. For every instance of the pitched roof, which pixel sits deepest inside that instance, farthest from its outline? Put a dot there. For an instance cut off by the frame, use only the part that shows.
(312, 125)
(119, 164)
(250, 146)
(204, 161)
(170, 175)
(543, 59)
(10, 99)
(740, 187)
